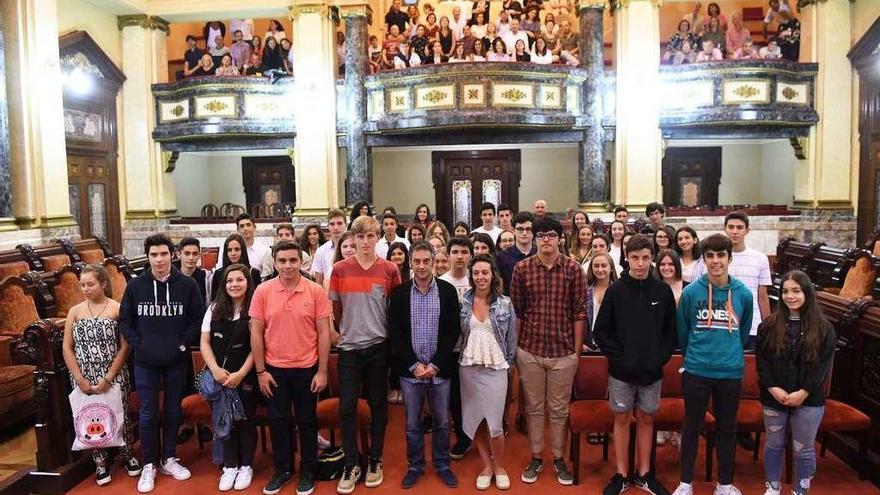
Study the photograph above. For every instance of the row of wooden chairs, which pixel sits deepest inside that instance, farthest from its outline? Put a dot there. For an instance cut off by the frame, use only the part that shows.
(848, 273)
(590, 413)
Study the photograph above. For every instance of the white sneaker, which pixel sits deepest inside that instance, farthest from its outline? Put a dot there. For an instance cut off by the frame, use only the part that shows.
(684, 489)
(148, 478)
(771, 490)
(227, 479)
(173, 468)
(727, 490)
(245, 476)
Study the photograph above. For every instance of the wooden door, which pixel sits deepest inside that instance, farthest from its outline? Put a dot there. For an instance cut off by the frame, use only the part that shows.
(464, 179)
(691, 176)
(94, 203)
(869, 159)
(268, 181)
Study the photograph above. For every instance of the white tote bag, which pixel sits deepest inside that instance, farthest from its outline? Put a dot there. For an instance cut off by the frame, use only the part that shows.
(98, 419)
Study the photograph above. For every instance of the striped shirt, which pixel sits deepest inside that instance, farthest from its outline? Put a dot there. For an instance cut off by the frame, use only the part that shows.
(363, 294)
(548, 302)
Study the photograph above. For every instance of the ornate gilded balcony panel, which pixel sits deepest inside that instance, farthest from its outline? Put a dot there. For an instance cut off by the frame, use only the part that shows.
(482, 94)
(223, 113)
(752, 98)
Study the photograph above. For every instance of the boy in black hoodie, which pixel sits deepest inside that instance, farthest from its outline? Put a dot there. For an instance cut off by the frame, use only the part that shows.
(635, 329)
(160, 316)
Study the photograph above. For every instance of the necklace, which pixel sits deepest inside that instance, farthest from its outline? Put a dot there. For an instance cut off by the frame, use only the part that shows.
(89, 305)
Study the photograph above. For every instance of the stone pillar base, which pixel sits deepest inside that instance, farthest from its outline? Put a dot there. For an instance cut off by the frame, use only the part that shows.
(37, 236)
(594, 207)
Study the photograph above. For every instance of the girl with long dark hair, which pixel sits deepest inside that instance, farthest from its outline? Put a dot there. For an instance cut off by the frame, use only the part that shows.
(793, 356)
(311, 239)
(234, 251)
(687, 245)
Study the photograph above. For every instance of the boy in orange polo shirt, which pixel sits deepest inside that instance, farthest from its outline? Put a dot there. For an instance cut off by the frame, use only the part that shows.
(290, 341)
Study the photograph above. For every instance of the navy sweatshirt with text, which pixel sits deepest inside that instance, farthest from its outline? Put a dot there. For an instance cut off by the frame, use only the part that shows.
(158, 317)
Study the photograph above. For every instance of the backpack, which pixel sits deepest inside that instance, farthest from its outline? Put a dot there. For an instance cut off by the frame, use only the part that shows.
(331, 462)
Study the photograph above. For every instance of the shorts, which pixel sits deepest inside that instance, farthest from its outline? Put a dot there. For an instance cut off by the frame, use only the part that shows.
(623, 396)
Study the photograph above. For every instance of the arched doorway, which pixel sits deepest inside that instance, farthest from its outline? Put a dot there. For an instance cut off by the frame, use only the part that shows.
(91, 83)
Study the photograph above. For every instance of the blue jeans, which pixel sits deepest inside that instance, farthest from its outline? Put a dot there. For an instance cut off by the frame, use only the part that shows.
(804, 421)
(438, 405)
(147, 380)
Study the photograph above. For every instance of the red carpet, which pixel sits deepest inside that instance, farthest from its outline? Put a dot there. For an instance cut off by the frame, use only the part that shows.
(833, 477)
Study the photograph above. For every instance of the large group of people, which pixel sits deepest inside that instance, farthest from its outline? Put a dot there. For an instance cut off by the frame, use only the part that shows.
(709, 37)
(423, 316)
(246, 55)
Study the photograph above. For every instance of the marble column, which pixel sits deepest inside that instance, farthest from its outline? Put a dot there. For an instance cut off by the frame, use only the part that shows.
(592, 175)
(638, 150)
(825, 178)
(149, 188)
(37, 152)
(7, 221)
(314, 95)
(359, 173)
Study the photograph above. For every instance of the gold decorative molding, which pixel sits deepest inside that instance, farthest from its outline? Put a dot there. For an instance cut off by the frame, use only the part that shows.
(823, 204)
(806, 3)
(45, 222)
(593, 4)
(8, 224)
(595, 207)
(141, 214)
(143, 21)
(620, 4)
(362, 10)
(297, 10)
(310, 212)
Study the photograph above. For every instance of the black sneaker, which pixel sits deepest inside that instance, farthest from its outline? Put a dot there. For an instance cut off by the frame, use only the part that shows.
(458, 451)
(279, 479)
(649, 484)
(427, 423)
(563, 475)
(306, 483)
(132, 466)
(102, 475)
(530, 473)
(616, 486)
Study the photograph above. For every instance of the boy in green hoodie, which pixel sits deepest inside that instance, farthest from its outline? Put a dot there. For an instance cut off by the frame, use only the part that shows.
(713, 319)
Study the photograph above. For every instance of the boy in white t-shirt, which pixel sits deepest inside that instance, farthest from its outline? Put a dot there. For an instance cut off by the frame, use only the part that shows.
(487, 215)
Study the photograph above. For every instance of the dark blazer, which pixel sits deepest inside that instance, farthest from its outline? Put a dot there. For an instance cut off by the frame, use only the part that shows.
(400, 329)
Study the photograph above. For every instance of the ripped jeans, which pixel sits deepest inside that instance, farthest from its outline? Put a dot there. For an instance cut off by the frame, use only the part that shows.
(804, 421)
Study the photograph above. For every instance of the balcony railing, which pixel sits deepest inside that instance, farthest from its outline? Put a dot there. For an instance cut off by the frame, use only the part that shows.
(210, 110)
(738, 98)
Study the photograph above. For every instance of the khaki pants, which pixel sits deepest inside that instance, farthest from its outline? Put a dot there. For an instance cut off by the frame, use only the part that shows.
(546, 382)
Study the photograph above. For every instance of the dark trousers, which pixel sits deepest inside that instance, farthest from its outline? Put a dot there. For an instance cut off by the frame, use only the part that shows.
(725, 401)
(455, 405)
(367, 370)
(240, 445)
(294, 385)
(148, 380)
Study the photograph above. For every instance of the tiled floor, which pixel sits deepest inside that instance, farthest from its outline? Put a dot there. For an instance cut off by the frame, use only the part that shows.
(18, 446)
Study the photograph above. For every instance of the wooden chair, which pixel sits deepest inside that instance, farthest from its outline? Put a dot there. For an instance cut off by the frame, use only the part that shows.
(750, 414)
(66, 288)
(840, 417)
(862, 270)
(589, 411)
(210, 210)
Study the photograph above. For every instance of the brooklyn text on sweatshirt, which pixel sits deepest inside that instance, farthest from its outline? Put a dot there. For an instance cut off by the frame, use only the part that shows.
(169, 309)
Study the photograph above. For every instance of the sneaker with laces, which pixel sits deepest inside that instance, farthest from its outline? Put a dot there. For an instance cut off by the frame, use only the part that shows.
(617, 485)
(773, 488)
(279, 479)
(227, 479)
(649, 484)
(684, 489)
(349, 479)
(530, 473)
(102, 474)
(459, 450)
(374, 473)
(148, 478)
(563, 475)
(306, 483)
(727, 490)
(132, 466)
(244, 478)
(172, 467)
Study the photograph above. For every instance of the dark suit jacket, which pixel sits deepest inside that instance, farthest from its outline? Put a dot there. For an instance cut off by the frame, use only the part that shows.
(400, 329)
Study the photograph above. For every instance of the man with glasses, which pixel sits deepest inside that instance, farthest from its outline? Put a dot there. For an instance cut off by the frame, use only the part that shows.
(521, 249)
(548, 292)
(359, 288)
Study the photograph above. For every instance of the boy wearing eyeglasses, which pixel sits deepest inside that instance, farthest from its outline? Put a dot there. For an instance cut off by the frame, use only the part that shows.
(548, 291)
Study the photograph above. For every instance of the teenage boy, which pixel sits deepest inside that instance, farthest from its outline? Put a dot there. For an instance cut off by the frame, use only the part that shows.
(424, 324)
(160, 316)
(189, 251)
(389, 235)
(191, 57)
(283, 232)
(487, 215)
(621, 214)
(258, 253)
(505, 217)
(460, 252)
(359, 289)
(655, 213)
(713, 318)
(635, 329)
(290, 342)
(548, 292)
(324, 254)
(523, 247)
(749, 266)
